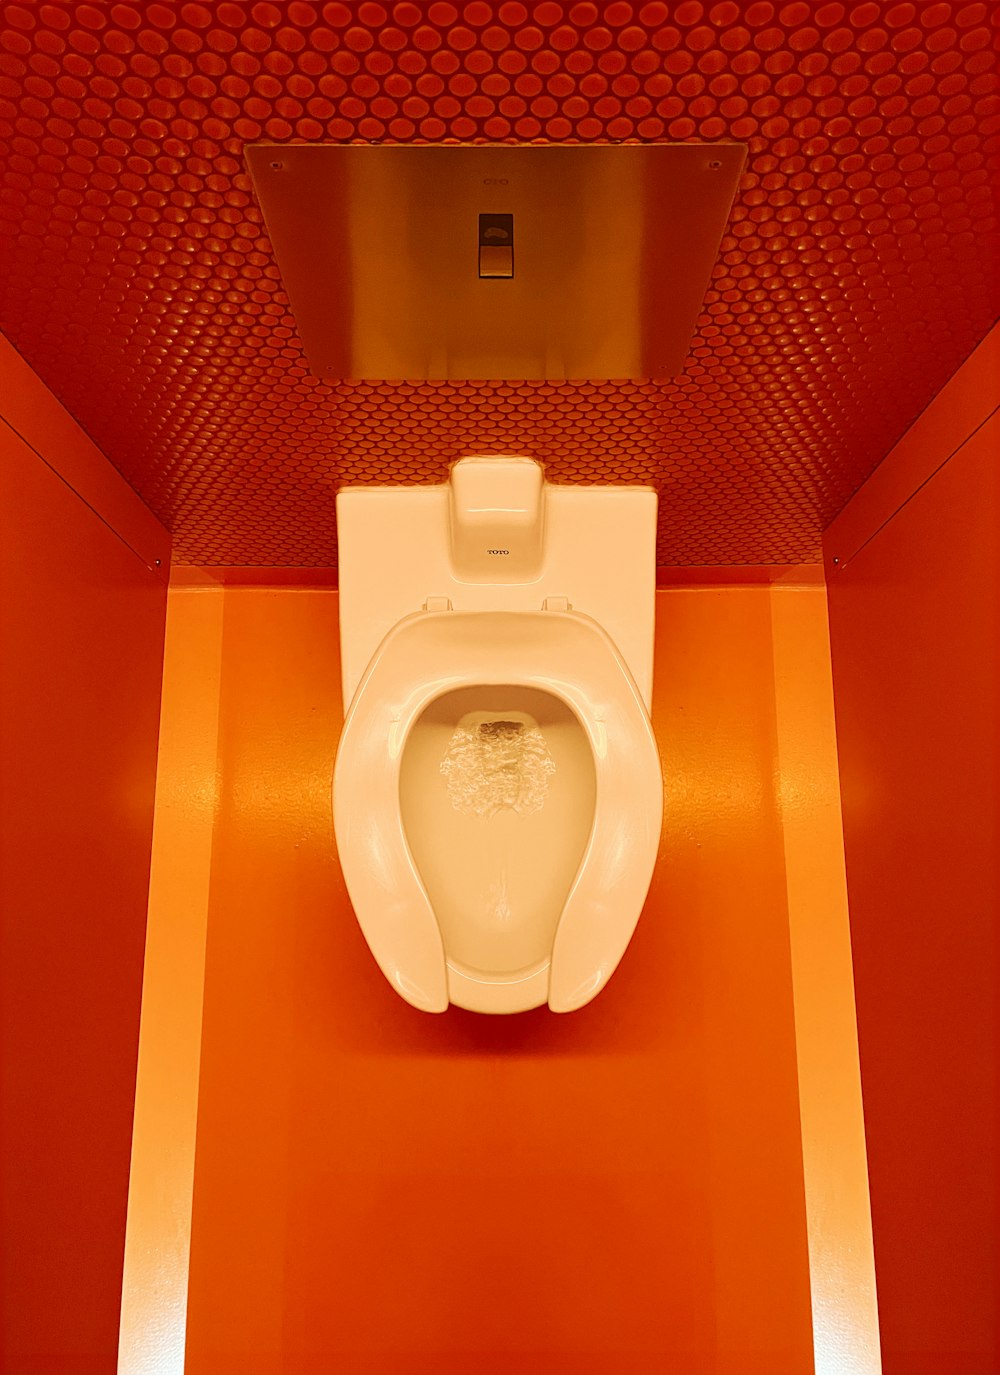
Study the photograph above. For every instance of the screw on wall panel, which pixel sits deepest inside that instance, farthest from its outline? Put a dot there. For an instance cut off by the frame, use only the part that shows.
(276, 166)
(157, 562)
(836, 561)
(714, 165)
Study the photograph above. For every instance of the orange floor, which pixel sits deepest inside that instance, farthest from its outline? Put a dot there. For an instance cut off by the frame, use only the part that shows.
(621, 1188)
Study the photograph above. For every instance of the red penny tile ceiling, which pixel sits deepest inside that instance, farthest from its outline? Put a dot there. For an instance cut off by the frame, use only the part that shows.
(858, 269)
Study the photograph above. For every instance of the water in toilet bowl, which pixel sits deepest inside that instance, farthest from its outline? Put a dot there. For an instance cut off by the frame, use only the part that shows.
(494, 764)
(497, 801)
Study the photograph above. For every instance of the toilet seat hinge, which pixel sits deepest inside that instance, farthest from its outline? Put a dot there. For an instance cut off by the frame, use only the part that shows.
(438, 604)
(556, 604)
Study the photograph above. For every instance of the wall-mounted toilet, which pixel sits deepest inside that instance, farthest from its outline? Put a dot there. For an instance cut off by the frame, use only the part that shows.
(497, 792)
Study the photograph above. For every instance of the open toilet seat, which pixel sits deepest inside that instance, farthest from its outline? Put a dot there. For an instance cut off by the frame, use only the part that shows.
(562, 653)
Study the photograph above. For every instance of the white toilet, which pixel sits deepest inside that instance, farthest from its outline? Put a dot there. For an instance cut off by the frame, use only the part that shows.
(497, 792)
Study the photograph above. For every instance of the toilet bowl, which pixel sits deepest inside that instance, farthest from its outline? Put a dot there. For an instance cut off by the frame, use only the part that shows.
(497, 807)
(497, 793)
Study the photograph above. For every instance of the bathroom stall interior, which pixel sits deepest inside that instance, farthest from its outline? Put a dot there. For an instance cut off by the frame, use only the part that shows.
(769, 1145)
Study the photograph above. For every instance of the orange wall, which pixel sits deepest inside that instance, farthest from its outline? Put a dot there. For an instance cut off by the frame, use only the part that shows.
(916, 658)
(82, 633)
(378, 1190)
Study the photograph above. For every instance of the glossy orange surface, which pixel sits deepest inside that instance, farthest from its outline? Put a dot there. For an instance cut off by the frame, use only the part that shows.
(615, 1189)
(81, 627)
(915, 624)
(158, 1231)
(857, 272)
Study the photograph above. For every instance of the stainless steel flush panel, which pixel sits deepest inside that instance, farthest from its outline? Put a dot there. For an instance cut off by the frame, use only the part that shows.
(496, 262)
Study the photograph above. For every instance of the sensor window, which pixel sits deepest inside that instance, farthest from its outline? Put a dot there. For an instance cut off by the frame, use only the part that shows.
(496, 245)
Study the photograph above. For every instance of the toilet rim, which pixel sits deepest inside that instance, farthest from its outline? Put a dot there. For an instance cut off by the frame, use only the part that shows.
(393, 656)
(429, 654)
